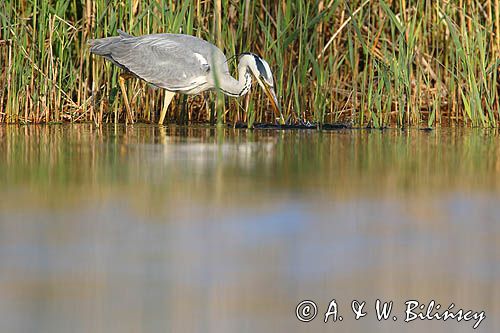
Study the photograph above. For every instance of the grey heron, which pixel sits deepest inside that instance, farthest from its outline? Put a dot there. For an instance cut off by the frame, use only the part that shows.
(182, 64)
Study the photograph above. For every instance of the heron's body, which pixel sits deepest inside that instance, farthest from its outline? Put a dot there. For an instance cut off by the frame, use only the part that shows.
(181, 64)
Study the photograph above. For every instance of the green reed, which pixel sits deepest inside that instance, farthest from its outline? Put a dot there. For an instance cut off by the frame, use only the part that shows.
(369, 63)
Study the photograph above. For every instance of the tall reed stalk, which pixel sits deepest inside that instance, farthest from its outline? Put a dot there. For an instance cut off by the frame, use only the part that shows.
(370, 63)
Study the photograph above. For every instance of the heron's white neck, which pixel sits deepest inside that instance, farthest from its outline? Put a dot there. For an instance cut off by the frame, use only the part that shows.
(236, 88)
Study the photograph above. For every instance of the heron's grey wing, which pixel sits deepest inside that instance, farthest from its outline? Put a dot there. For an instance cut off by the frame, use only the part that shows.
(123, 33)
(162, 61)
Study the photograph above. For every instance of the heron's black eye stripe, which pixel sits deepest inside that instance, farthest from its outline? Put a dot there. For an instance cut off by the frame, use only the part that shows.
(261, 68)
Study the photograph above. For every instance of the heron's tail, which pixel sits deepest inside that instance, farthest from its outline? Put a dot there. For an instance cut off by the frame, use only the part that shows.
(101, 46)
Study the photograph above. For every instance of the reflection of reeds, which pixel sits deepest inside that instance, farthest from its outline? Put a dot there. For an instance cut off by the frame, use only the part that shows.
(384, 63)
(193, 158)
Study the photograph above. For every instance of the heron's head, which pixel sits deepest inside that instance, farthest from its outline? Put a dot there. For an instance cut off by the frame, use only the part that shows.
(260, 69)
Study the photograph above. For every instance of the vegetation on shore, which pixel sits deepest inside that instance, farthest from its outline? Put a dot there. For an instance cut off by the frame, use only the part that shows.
(371, 63)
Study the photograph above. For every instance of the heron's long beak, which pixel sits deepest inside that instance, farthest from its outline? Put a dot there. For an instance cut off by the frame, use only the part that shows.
(274, 100)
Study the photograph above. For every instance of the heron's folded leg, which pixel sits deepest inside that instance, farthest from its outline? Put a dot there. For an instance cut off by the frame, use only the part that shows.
(166, 102)
(121, 81)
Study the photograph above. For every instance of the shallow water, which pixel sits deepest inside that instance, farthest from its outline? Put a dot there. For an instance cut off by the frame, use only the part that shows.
(148, 229)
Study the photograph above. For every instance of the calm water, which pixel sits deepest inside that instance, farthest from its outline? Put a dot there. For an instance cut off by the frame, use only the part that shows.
(147, 229)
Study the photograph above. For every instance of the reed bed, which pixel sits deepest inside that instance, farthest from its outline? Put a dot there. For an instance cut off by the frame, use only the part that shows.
(392, 63)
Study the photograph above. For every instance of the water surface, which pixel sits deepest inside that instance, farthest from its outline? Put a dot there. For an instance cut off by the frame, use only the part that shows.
(175, 229)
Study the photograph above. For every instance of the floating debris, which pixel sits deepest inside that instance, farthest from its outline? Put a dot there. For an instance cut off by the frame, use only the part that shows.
(299, 126)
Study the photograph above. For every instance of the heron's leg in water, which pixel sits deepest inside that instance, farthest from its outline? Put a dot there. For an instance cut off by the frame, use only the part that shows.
(121, 81)
(166, 102)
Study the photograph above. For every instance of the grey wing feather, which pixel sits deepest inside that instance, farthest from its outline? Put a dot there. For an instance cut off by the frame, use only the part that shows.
(123, 33)
(173, 62)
